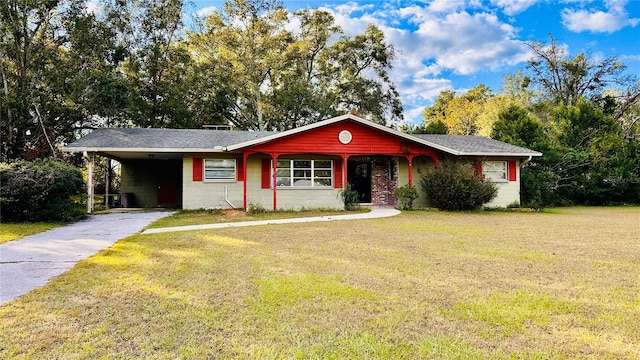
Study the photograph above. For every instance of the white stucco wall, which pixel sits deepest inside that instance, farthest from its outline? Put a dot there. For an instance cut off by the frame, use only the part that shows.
(210, 194)
(508, 192)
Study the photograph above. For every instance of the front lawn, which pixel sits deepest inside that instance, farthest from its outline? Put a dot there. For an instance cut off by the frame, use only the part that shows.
(14, 231)
(420, 285)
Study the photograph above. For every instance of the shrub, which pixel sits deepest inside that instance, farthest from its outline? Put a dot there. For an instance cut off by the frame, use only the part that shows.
(39, 190)
(406, 195)
(350, 198)
(454, 186)
(256, 209)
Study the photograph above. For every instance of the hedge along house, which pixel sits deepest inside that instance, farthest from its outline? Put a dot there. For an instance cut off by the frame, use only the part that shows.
(306, 167)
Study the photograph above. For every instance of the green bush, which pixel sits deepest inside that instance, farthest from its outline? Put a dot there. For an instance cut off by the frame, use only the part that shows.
(350, 198)
(454, 186)
(405, 196)
(39, 190)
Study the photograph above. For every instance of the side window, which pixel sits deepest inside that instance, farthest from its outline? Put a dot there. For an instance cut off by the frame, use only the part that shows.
(220, 169)
(495, 171)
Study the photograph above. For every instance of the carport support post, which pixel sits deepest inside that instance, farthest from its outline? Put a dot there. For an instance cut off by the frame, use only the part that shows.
(89, 158)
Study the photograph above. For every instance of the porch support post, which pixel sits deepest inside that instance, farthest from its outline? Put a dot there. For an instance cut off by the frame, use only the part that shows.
(274, 156)
(89, 157)
(345, 158)
(245, 157)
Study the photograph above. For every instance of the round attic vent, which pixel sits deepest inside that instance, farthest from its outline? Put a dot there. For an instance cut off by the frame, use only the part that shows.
(345, 136)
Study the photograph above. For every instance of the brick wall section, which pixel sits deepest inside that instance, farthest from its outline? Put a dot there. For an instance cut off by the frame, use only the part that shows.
(384, 180)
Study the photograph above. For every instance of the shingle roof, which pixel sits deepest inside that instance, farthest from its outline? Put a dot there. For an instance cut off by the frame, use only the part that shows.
(175, 139)
(475, 145)
(199, 140)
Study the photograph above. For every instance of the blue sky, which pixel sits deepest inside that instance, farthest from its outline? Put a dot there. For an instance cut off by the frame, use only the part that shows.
(459, 44)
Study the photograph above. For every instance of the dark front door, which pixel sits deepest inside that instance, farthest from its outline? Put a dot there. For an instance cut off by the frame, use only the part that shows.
(359, 176)
(167, 191)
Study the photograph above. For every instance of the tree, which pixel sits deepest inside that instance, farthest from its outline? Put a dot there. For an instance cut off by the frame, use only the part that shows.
(29, 36)
(565, 79)
(459, 114)
(438, 111)
(58, 63)
(147, 32)
(515, 126)
(283, 79)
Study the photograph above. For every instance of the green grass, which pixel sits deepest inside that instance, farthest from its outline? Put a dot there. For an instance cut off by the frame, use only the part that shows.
(14, 231)
(202, 217)
(427, 285)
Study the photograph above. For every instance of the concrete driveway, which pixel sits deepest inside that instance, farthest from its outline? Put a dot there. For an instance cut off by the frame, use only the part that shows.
(30, 262)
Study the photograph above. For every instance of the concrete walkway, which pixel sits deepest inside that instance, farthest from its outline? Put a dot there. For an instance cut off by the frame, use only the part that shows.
(374, 213)
(30, 262)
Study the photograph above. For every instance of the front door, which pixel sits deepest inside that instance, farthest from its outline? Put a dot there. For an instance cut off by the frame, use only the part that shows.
(167, 190)
(359, 176)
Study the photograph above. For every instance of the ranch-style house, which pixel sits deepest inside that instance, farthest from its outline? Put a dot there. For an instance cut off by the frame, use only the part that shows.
(305, 167)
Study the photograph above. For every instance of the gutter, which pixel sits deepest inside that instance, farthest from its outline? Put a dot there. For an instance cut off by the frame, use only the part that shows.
(526, 161)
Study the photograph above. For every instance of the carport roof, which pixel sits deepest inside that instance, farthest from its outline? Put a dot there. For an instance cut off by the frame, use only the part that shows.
(167, 140)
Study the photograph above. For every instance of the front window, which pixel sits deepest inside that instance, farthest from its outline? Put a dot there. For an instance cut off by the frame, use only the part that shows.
(495, 170)
(219, 169)
(304, 173)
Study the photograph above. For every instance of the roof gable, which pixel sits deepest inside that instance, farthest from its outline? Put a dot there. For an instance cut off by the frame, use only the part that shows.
(347, 136)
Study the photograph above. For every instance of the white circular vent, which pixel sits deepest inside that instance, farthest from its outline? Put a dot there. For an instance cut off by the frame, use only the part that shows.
(345, 136)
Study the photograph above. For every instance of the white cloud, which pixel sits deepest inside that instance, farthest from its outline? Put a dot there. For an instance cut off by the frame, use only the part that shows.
(206, 11)
(443, 40)
(513, 7)
(446, 5)
(598, 21)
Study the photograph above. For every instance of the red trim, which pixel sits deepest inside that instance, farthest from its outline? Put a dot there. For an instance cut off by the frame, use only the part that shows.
(512, 170)
(275, 174)
(478, 166)
(197, 169)
(337, 173)
(245, 156)
(266, 173)
(239, 167)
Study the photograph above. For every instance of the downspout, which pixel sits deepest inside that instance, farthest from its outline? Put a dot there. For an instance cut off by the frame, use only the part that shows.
(226, 197)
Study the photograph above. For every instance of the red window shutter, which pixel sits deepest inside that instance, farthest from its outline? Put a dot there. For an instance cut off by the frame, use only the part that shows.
(512, 170)
(197, 169)
(337, 173)
(239, 170)
(266, 173)
(478, 166)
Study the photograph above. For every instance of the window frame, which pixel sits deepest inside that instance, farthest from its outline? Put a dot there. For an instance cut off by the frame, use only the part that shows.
(294, 169)
(232, 178)
(494, 170)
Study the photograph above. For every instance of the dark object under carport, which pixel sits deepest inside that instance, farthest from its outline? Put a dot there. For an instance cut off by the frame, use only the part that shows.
(126, 199)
